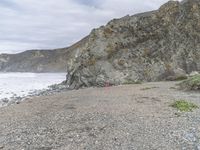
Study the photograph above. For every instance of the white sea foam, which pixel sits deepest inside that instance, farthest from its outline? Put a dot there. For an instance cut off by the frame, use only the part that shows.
(21, 84)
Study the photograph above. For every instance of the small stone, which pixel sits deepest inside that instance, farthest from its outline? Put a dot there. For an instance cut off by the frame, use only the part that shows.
(17, 102)
(1, 146)
(198, 147)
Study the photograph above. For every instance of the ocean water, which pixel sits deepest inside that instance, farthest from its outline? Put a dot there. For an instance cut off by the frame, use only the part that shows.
(22, 84)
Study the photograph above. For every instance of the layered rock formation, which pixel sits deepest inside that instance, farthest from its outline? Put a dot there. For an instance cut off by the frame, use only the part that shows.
(152, 46)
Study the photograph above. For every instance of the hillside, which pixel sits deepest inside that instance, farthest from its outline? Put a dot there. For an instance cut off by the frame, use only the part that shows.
(159, 45)
(38, 60)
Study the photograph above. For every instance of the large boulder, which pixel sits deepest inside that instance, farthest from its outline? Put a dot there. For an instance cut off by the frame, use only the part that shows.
(151, 46)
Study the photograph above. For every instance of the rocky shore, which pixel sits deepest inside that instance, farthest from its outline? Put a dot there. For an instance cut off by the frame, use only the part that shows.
(123, 117)
(56, 88)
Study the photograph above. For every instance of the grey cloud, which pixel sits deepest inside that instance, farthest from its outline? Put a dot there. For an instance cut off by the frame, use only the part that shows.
(35, 24)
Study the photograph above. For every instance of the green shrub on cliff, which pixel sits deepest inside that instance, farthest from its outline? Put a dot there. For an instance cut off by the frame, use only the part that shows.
(192, 83)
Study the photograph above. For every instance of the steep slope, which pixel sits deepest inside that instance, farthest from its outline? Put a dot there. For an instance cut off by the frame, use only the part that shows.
(151, 46)
(39, 60)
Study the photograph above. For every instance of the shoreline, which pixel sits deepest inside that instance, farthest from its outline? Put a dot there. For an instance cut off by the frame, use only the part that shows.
(15, 86)
(50, 90)
(58, 88)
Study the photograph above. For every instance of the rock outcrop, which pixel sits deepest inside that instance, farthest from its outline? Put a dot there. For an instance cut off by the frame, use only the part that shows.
(152, 46)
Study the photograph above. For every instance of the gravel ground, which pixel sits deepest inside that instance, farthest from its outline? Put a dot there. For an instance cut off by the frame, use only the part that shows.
(119, 118)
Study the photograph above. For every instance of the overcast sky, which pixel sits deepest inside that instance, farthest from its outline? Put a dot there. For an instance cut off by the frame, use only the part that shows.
(43, 24)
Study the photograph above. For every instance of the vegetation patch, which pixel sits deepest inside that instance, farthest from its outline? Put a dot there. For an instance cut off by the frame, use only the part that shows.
(92, 61)
(108, 32)
(149, 88)
(129, 81)
(168, 67)
(146, 52)
(110, 49)
(180, 78)
(173, 88)
(121, 62)
(184, 106)
(192, 83)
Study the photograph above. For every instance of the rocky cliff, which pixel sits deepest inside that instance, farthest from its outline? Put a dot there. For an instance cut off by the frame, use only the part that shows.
(152, 46)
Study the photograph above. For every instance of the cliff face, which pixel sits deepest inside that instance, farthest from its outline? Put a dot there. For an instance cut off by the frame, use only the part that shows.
(39, 60)
(151, 46)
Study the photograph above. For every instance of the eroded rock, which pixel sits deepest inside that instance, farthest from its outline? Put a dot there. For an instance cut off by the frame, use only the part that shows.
(151, 46)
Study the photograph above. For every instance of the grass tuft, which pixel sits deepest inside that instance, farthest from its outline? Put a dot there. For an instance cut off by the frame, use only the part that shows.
(184, 106)
(132, 82)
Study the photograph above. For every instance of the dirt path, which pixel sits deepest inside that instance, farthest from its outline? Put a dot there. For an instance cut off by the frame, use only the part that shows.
(124, 117)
